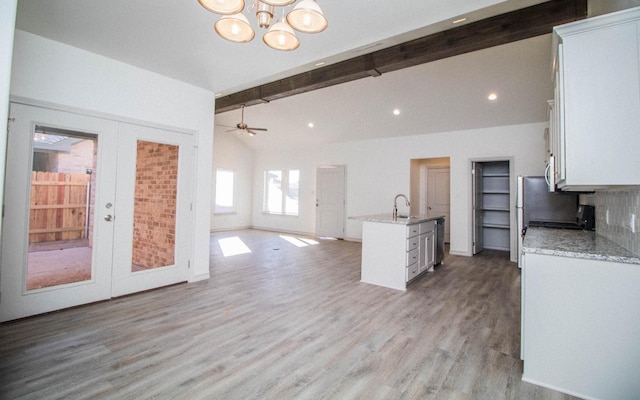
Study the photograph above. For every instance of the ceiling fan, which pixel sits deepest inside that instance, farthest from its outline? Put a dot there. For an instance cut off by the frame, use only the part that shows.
(241, 127)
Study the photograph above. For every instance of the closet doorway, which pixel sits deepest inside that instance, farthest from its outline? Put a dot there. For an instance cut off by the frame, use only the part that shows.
(491, 205)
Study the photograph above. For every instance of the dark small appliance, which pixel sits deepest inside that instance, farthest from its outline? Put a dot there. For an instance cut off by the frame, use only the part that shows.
(587, 217)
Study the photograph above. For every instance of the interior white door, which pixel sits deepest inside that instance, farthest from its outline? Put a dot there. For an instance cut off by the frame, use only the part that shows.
(478, 213)
(153, 216)
(438, 195)
(18, 299)
(330, 201)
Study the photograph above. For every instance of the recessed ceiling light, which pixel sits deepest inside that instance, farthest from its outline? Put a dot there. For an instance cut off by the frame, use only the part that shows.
(310, 125)
(396, 112)
(492, 96)
(457, 21)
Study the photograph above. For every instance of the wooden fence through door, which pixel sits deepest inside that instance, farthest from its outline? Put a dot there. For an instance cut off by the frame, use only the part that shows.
(58, 208)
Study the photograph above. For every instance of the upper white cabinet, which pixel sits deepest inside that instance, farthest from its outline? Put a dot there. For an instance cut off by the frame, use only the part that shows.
(595, 119)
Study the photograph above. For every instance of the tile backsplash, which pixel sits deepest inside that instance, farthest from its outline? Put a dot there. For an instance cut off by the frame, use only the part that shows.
(618, 217)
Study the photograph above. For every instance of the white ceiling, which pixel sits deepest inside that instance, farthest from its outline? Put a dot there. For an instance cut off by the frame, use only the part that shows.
(175, 38)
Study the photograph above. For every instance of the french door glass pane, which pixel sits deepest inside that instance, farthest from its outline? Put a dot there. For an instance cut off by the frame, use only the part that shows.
(61, 207)
(154, 215)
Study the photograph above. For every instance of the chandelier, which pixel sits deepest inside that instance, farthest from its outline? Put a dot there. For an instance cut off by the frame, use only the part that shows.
(305, 17)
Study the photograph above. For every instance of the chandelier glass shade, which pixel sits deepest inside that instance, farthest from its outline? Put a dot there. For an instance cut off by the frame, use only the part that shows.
(281, 37)
(307, 17)
(233, 25)
(223, 7)
(235, 28)
(279, 3)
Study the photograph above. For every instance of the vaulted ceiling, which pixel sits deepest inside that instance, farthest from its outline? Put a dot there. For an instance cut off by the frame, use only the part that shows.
(176, 39)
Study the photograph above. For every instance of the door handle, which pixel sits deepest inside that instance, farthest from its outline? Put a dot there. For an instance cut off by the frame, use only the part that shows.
(108, 217)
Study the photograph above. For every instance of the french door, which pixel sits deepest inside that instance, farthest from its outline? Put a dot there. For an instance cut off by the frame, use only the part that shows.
(153, 196)
(94, 208)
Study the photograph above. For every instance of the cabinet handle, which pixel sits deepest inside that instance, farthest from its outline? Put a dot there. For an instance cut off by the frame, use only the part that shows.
(546, 173)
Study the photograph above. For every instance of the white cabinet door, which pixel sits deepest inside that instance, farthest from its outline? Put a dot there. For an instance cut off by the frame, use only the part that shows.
(430, 250)
(427, 245)
(424, 262)
(580, 326)
(599, 72)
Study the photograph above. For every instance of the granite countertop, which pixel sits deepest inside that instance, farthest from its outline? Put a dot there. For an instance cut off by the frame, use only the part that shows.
(574, 243)
(388, 219)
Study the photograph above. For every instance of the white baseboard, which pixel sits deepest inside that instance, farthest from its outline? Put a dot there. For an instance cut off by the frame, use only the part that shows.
(199, 277)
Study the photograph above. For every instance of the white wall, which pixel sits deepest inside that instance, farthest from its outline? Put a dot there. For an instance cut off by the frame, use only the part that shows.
(52, 72)
(379, 169)
(230, 153)
(7, 24)
(599, 7)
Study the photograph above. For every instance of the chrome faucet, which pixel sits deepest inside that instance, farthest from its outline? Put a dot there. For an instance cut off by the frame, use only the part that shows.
(395, 205)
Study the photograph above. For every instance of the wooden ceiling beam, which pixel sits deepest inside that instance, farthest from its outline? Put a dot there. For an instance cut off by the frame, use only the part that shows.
(501, 29)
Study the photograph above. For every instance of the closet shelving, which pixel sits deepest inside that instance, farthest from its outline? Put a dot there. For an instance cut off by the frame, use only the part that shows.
(495, 205)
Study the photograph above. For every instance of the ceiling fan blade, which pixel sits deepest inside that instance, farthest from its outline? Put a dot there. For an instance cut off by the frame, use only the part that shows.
(225, 126)
(258, 129)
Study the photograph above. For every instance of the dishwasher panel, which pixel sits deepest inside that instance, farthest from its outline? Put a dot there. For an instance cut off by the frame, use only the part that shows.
(439, 241)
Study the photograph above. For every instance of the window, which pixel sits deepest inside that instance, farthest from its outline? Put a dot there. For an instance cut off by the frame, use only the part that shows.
(281, 192)
(224, 192)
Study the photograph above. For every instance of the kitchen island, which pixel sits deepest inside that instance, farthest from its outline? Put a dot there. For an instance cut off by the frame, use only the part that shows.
(580, 321)
(395, 251)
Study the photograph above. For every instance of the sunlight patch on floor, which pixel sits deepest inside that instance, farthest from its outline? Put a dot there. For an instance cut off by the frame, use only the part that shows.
(233, 246)
(299, 242)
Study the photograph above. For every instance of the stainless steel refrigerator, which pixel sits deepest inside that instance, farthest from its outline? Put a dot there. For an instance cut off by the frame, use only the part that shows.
(536, 206)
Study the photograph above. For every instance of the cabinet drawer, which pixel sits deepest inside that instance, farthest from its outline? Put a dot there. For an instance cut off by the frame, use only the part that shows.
(412, 243)
(412, 230)
(428, 226)
(412, 271)
(412, 256)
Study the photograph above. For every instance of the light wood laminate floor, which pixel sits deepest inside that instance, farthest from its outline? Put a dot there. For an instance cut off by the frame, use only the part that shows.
(283, 322)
